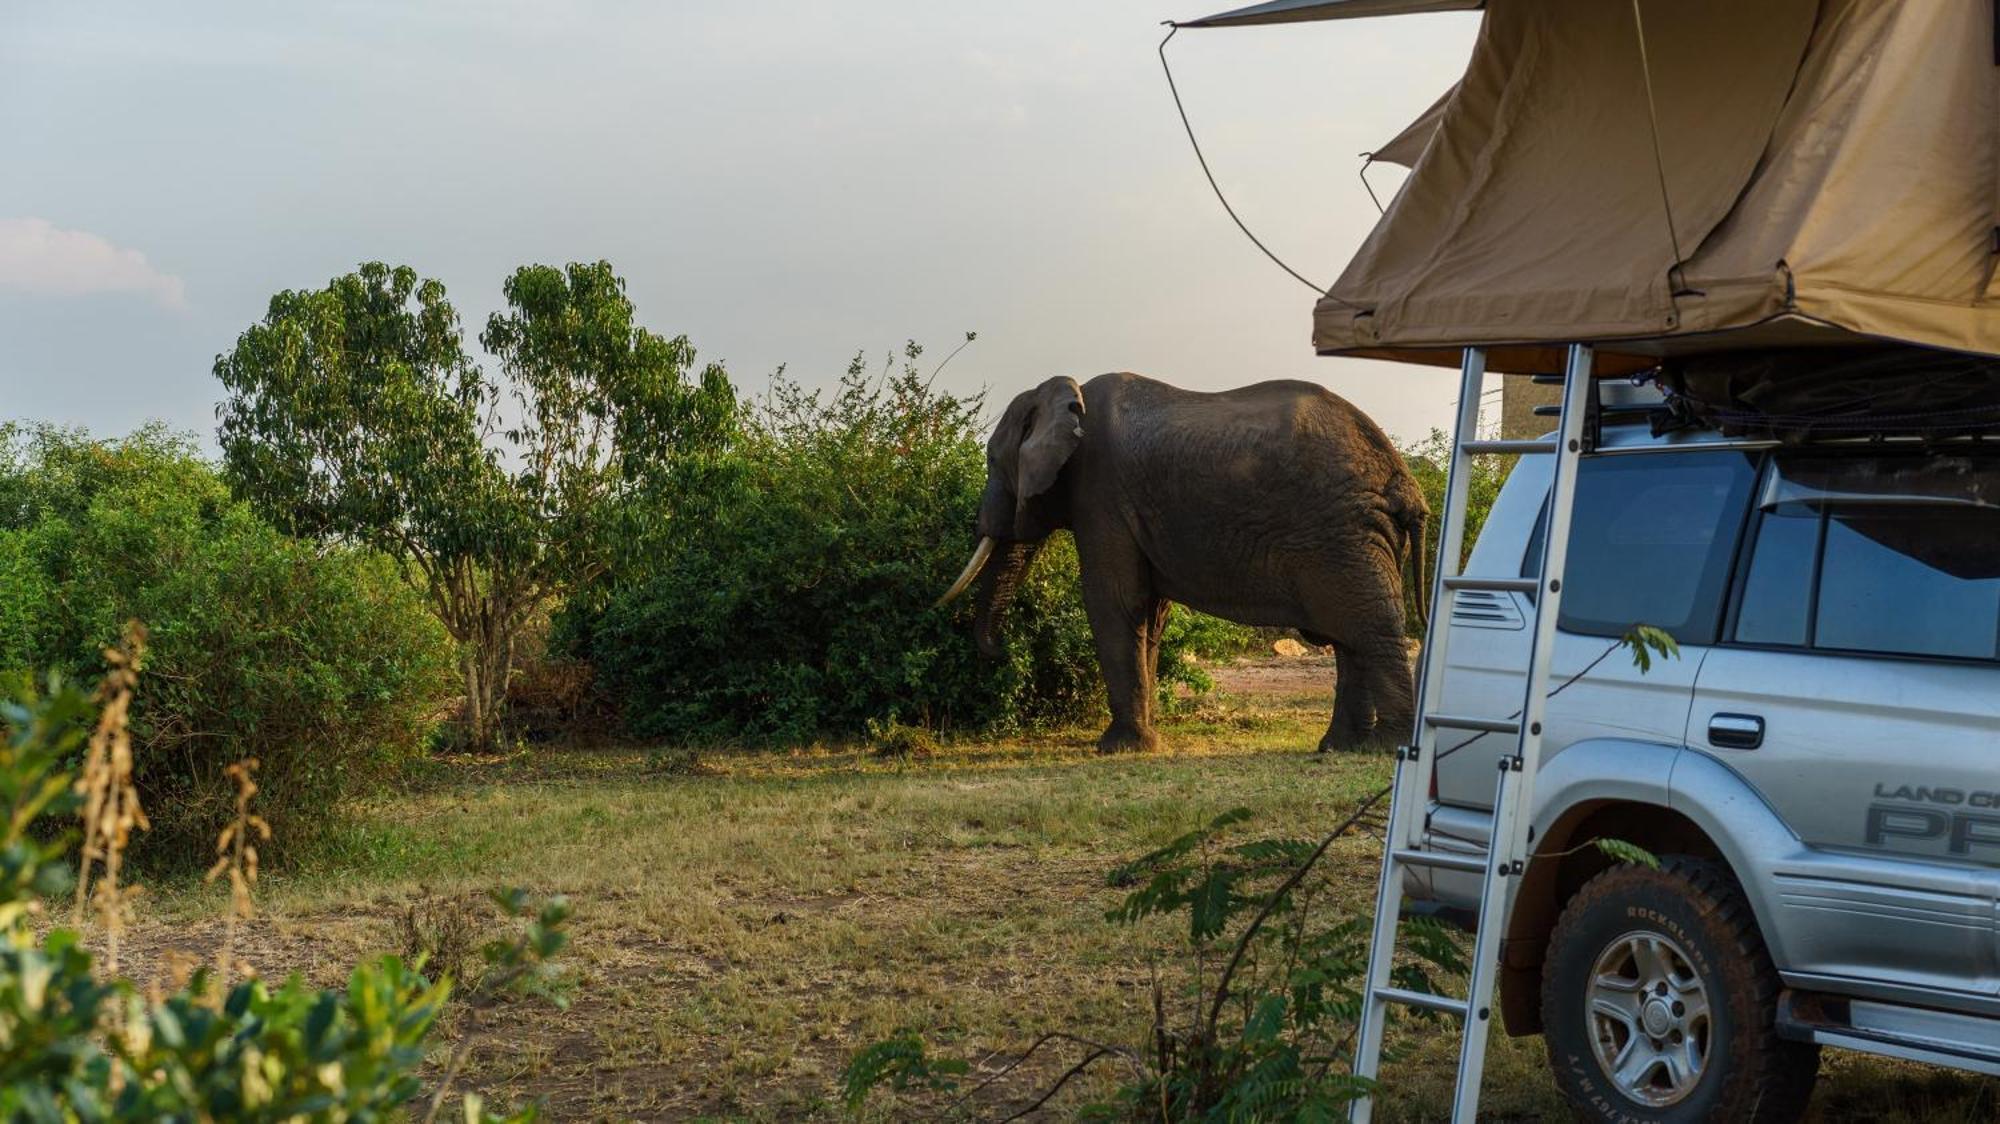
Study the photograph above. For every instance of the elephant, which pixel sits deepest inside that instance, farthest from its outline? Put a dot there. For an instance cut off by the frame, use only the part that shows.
(1275, 504)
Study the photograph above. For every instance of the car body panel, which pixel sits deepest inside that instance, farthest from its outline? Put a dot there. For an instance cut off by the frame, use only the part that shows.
(1865, 828)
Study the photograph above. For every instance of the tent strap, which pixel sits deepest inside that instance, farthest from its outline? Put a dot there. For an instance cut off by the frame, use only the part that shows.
(1659, 155)
(1173, 29)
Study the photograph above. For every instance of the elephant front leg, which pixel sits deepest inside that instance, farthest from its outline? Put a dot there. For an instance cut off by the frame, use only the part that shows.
(1122, 628)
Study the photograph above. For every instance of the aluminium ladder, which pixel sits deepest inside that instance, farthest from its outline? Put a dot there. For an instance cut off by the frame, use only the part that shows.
(1507, 852)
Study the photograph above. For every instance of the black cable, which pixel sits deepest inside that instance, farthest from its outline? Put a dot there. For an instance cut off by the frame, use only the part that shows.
(1565, 685)
(1216, 187)
(1367, 160)
(1659, 155)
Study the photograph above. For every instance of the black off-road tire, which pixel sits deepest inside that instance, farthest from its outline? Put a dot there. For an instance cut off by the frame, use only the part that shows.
(1751, 1074)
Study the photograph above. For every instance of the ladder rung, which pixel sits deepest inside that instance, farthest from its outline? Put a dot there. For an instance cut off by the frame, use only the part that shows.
(1537, 446)
(1482, 725)
(1642, 409)
(1547, 380)
(1444, 859)
(1494, 585)
(1424, 999)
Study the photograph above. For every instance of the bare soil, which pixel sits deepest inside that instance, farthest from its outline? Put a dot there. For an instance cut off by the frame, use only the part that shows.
(1278, 678)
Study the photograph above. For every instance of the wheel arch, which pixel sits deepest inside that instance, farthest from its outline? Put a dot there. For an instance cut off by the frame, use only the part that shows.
(1565, 859)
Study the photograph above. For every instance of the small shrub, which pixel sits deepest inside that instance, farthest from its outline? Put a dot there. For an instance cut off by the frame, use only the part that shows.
(902, 1062)
(905, 742)
(677, 761)
(440, 937)
(525, 965)
(316, 660)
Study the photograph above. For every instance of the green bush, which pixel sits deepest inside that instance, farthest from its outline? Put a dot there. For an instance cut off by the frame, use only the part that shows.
(1429, 461)
(803, 607)
(316, 660)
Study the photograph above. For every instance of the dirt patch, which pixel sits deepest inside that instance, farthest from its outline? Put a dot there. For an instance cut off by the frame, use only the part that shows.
(1311, 674)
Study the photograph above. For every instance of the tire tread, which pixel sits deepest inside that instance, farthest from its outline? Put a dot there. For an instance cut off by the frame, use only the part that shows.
(1786, 1070)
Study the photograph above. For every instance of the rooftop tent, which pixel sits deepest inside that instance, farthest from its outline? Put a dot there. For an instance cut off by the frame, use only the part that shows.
(1406, 146)
(1826, 172)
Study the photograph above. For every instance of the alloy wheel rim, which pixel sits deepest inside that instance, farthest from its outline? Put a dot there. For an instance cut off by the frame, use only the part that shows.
(1649, 1018)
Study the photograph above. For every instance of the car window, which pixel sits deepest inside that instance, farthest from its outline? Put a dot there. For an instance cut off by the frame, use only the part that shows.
(1892, 555)
(1777, 591)
(1651, 542)
(1876, 595)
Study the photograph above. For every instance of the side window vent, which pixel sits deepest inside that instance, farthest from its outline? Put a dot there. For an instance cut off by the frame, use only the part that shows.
(1484, 609)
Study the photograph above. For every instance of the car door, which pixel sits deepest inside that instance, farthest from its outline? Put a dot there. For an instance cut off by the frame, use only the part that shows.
(1652, 540)
(1859, 694)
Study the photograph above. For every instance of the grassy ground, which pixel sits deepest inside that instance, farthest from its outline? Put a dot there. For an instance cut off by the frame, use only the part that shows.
(744, 925)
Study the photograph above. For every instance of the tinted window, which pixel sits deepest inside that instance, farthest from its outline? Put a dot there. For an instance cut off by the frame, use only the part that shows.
(1893, 555)
(1877, 594)
(1777, 594)
(1651, 542)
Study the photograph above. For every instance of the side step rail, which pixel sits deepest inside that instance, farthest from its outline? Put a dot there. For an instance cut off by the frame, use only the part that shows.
(1890, 1030)
(1506, 856)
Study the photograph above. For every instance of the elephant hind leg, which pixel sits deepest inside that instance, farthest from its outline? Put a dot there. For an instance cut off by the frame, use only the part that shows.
(1353, 707)
(1392, 688)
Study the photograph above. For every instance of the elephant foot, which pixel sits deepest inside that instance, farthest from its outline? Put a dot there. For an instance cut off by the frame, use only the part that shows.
(1120, 738)
(1342, 735)
(1382, 736)
(1330, 741)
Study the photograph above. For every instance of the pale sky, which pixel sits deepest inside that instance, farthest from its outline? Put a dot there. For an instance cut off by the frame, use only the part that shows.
(785, 182)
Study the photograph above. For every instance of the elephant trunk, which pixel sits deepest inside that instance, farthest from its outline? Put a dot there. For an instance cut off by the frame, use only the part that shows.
(1003, 581)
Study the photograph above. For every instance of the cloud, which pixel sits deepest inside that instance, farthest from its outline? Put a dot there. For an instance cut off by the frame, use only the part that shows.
(36, 256)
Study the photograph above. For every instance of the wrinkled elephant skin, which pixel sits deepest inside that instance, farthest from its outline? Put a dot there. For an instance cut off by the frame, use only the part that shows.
(1276, 504)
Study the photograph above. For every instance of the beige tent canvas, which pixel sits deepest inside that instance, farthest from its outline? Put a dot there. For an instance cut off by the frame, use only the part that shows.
(1681, 176)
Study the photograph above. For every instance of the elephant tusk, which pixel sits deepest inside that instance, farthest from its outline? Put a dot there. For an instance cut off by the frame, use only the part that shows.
(980, 554)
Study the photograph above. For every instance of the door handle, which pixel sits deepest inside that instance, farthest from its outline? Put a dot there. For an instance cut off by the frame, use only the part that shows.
(1736, 731)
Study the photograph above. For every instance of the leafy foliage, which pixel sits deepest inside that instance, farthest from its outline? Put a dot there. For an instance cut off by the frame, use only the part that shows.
(1429, 461)
(902, 1062)
(523, 966)
(802, 605)
(1276, 983)
(356, 414)
(1645, 641)
(1626, 852)
(75, 1046)
(316, 660)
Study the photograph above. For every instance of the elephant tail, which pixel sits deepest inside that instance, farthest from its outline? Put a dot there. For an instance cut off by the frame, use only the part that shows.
(1420, 585)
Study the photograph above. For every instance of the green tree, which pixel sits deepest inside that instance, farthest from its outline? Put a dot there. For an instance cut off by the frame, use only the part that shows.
(356, 414)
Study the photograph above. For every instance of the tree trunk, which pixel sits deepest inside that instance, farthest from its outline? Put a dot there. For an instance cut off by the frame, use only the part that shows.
(478, 723)
(487, 663)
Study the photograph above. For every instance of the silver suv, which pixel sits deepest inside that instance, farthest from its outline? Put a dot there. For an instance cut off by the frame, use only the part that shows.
(1819, 770)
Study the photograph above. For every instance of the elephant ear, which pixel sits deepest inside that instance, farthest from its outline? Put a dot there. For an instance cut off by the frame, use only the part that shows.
(1054, 428)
